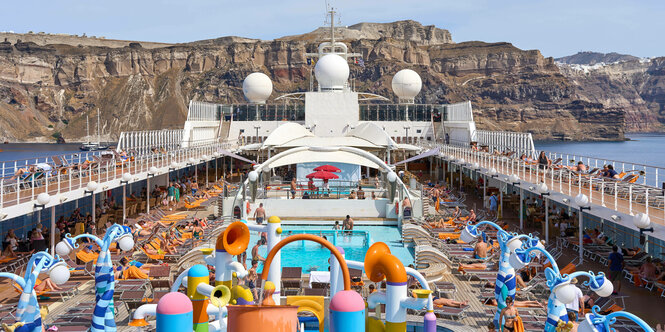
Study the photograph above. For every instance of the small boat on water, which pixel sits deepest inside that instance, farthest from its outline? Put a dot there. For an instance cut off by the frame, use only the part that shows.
(92, 146)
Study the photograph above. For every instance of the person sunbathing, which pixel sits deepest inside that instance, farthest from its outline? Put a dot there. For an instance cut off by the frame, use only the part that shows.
(23, 170)
(474, 266)
(480, 249)
(45, 286)
(443, 302)
(127, 271)
(524, 304)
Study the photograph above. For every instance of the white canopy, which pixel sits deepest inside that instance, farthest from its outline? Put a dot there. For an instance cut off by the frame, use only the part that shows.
(285, 133)
(370, 132)
(325, 157)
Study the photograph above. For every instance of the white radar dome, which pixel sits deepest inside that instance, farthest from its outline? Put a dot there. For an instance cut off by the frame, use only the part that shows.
(257, 87)
(406, 85)
(332, 72)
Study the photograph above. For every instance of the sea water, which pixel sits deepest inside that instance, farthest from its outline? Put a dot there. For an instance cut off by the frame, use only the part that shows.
(647, 149)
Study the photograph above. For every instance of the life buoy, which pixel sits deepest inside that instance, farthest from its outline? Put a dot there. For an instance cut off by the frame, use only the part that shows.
(248, 208)
(397, 208)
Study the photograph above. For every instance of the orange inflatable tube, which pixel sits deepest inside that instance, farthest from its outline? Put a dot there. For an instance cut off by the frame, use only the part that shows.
(319, 240)
(235, 238)
(380, 263)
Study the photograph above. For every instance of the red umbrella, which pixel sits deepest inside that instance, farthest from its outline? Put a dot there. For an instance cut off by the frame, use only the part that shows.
(322, 175)
(327, 168)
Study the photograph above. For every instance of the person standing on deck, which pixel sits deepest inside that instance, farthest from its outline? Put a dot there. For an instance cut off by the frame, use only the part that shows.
(260, 214)
(616, 266)
(293, 188)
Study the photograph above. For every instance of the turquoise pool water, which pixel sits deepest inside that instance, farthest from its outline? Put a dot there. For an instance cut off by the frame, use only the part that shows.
(313, 257)
(311, 324)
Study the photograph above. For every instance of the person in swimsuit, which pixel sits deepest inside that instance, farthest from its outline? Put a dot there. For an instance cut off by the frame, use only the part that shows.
(509, 313)
(252, 277)
(480, 250)
(260, 214)
(255, 251)
(293, 188)
(197, 231)
(443, 302)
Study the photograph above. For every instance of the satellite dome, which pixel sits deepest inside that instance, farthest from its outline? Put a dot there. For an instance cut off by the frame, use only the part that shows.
(257, 87)
(332, 72)
(406, 85)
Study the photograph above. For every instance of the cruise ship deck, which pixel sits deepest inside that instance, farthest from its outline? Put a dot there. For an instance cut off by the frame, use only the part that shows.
(329, 210)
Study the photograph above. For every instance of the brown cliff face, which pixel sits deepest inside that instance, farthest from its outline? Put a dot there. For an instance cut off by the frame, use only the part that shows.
(634, 85)
(136, 88)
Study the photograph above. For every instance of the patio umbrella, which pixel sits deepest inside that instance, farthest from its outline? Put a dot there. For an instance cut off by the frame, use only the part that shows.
(322, 175)
(327, 168)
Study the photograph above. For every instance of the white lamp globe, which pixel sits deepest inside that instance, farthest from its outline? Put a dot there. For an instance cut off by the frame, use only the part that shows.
(514, 178)
(91, 186)
(63, 248)
(565, 292)
(216, 154)
(605, 289)
(253, 176)
(192, 161)
(174, 165)
(641, 220)
(392, 177)
(582, 200)
(257, 88)
(153, 170)
(514, 244)
(461, 160)
(126, 242)
(43, 198)
(332, 72)
(127, 177)
(59, 273)
(466, 235)
(542, 188)
(515, 261)
(406, 85)
(204, 157)
(492, 171)
(476, 165)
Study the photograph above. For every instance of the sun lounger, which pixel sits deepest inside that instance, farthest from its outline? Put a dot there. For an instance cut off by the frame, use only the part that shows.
(453, 313)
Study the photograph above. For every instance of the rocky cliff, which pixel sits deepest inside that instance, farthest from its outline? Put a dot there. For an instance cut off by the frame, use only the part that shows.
(46, 89)
(635, 85)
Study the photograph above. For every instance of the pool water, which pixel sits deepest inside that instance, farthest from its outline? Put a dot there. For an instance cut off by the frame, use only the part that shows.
(313, 257)
(312, 324)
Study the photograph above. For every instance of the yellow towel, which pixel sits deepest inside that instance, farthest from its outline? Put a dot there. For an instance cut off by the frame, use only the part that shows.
(518, 324)
(133, 272)
(87, 256)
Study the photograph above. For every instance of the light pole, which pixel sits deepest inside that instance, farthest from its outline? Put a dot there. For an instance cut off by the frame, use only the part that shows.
(42, 200)
(461, 162)
(192, 162)
(561, 290)
(27, 310)
(492, 174)
(515, 181)
(103, 319)
(508, 242)
(151, 173)
(90, 189)
(126, 177)
(204, 159)
(582, 201)
(544, 191)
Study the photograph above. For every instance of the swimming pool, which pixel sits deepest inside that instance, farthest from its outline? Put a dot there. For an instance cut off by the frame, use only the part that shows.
(313, 257)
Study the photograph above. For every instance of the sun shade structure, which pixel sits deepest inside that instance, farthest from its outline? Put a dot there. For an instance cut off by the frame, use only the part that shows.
(428, 153)
(322, 175)
(327, 168)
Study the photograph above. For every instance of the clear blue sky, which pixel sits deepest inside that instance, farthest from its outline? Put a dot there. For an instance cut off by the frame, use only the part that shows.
(556, 27)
